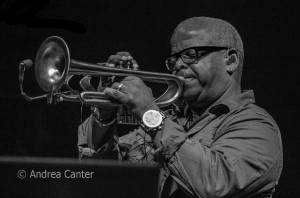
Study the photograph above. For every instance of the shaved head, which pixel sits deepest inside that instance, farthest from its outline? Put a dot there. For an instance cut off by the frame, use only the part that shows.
(222, 33)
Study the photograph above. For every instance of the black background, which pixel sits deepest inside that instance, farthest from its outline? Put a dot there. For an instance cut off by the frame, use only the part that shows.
(94, 30)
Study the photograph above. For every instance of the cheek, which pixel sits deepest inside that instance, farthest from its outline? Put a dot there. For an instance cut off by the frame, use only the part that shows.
(202, 72)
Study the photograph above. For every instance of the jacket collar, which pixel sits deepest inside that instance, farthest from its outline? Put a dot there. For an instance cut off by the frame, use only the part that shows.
(218, 108)
(241, 99)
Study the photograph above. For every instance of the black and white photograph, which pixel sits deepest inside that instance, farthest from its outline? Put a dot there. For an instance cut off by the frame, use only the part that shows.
(154, 98)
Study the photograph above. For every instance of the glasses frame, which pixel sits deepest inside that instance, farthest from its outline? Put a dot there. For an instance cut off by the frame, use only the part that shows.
(209, 49)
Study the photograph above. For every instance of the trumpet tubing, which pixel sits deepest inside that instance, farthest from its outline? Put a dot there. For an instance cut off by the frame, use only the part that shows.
(54, 67)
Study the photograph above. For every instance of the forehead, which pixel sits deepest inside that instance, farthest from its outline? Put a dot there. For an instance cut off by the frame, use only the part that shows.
(188, 37)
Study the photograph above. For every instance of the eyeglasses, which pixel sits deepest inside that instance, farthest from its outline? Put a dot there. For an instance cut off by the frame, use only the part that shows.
(190, 55)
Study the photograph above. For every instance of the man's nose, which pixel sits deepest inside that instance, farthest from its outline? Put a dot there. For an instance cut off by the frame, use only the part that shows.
(179, 65)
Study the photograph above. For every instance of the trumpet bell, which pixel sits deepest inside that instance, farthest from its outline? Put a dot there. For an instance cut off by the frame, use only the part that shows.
(51, 64)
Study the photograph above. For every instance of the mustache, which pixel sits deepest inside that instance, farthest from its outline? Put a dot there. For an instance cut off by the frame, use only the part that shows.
(185, 74)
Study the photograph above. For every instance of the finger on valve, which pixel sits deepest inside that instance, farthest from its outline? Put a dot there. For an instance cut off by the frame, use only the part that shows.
(104, 81)
(122, 60)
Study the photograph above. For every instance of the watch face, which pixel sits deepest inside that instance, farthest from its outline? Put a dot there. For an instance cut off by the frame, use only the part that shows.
(152, 118)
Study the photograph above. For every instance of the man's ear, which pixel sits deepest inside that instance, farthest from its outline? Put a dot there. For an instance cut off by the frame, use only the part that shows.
(231, 60)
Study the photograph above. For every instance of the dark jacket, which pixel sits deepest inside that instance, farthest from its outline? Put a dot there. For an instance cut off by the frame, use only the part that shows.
(232, 150)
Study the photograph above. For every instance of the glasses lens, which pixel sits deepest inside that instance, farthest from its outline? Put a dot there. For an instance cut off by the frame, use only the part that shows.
(170, 62)
(189, 55)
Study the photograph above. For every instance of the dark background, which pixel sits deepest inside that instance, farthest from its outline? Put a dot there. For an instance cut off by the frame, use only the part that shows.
(94, 30)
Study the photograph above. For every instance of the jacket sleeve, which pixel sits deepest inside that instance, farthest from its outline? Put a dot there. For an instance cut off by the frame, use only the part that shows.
(244, 158)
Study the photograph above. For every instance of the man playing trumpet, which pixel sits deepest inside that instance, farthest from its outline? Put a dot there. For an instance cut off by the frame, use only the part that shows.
(219, 144)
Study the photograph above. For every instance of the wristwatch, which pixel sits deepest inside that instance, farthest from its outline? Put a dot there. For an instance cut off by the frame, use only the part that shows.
(153, 120)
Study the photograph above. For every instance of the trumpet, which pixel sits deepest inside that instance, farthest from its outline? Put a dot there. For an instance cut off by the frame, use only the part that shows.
(54, 68)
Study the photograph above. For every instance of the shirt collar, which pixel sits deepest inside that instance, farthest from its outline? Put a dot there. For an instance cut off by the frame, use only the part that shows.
(218, 108)
(244, 98)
